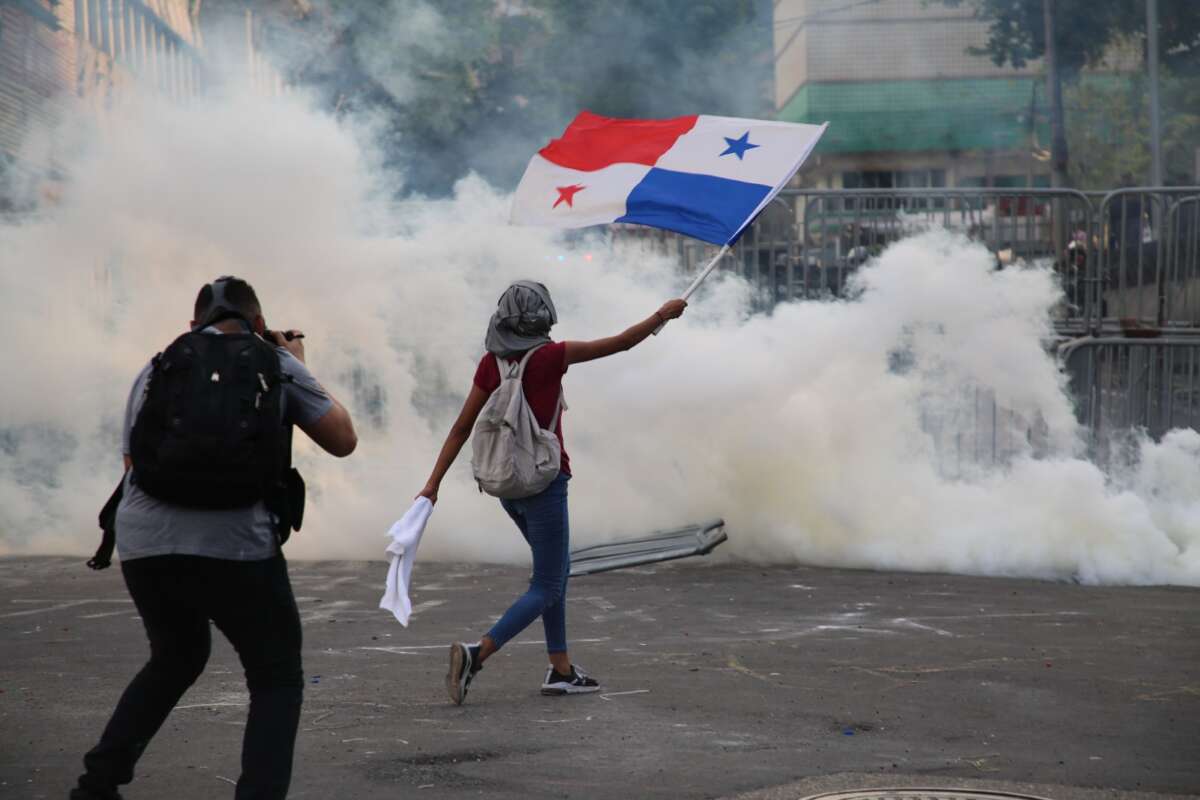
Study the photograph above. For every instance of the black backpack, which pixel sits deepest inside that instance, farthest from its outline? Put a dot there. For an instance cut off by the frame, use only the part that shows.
(212, 444)
(210, 433)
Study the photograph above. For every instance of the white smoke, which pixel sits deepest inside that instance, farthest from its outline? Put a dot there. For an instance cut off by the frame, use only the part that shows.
(820, 432)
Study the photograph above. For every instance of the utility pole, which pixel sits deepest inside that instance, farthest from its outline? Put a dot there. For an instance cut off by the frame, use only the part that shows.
(1058, 136)
(1156, 165)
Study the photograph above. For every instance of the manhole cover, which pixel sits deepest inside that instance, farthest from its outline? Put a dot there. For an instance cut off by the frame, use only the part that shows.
(920, 794)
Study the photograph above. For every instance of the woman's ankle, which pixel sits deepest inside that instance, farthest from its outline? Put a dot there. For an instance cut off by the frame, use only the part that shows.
(561, 663)
(486, 647)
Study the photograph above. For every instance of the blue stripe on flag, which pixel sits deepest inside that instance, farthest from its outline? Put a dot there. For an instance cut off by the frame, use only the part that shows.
(701, 206)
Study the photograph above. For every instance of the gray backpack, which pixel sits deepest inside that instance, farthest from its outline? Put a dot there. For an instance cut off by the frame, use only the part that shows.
(512, 455)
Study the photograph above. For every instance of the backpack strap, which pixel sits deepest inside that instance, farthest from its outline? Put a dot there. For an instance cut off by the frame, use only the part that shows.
(558, 409)
(516, 370)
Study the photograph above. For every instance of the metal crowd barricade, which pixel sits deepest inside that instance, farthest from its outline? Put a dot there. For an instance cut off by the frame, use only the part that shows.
(1135, 261)
(1019, 220)
(1132, 266)
(848, 227)
(1122, 387)
(1181, 298)
(973, 430)
(808, 242)
(1148, 258)
(1123, 384)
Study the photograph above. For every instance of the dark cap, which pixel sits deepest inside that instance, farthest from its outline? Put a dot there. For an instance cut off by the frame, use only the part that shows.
(222, 307)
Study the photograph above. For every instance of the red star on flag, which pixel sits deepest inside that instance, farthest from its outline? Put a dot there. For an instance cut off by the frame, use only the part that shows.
(566, 194)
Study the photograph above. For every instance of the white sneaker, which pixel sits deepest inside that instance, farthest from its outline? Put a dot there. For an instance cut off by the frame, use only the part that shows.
(577, 682)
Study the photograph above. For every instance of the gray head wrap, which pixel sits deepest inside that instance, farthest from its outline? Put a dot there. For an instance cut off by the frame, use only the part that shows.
(522, 320)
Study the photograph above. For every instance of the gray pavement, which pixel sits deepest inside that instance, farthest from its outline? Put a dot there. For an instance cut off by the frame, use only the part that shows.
(719, 679)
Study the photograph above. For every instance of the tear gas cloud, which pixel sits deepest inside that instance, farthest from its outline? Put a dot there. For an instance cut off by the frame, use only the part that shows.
(806, 429)
(475, 86)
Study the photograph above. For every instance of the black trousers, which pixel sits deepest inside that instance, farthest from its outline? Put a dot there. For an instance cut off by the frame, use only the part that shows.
(251, 602)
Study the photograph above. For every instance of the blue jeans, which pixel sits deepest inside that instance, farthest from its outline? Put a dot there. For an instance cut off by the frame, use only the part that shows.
(543, 522)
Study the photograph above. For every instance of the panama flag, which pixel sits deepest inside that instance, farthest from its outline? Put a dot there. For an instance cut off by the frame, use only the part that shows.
(702, 176)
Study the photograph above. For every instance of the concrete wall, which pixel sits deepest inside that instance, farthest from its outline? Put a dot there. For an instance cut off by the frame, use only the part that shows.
(896, 40)
(900, 91)
(38, 65)
(824, 170)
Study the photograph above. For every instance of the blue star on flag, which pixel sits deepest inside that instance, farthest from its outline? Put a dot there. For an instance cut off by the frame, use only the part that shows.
(739, 145)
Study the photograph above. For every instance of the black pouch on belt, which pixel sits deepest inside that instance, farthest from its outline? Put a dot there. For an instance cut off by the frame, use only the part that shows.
(108, 527)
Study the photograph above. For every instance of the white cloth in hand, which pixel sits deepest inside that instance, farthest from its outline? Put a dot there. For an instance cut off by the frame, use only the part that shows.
(405, 535)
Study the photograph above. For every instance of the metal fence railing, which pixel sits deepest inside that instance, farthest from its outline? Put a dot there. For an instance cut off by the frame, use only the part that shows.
(844, 228)
(1123, 388)
(1147, 257)
(1128, 257)
(1122, 385)
(808, 242)
(1181, 275)
(975, 430)
(1128, 262)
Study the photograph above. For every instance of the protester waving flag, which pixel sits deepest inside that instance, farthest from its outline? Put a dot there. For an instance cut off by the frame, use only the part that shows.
(702, 176)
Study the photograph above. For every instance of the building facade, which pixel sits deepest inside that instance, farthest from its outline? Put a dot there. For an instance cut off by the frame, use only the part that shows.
(909, 106)
(78, 59)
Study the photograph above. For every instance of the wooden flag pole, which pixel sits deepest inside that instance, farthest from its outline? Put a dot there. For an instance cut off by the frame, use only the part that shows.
(704, 273)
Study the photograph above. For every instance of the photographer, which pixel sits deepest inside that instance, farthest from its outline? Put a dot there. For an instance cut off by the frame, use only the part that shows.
(208, 498)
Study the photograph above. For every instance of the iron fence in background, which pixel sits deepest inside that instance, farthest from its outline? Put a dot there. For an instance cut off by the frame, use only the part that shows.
(1127, 258)
(974, 430)
(1125, 384)
(808, 242)
(1148, 268)
(1128, 262)
(1123, 388)
(1182, 272)
(841, 230)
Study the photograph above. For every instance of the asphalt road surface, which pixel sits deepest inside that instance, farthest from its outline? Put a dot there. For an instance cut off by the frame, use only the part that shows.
(719, 679)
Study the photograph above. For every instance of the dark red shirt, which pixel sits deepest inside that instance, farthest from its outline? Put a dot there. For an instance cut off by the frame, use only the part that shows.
(542, 382)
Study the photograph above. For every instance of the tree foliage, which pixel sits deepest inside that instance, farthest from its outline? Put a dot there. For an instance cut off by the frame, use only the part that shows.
(1107, 121)
(1084, 30)
(1110, 136)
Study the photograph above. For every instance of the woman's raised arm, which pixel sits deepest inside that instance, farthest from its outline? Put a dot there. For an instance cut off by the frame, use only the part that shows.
(599, 348)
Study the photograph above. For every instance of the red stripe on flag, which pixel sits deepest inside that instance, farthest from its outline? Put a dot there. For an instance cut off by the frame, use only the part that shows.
(593, 142)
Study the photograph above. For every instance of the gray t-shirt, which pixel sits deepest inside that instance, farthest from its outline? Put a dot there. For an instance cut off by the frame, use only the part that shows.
(149, 527)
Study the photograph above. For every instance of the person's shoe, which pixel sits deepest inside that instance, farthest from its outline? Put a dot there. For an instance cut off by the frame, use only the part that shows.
(476, 665)
(462, 670)
(577, 682)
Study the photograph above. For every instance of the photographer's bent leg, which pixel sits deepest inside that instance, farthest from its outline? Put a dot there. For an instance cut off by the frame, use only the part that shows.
(261, 621)
(179, 646)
